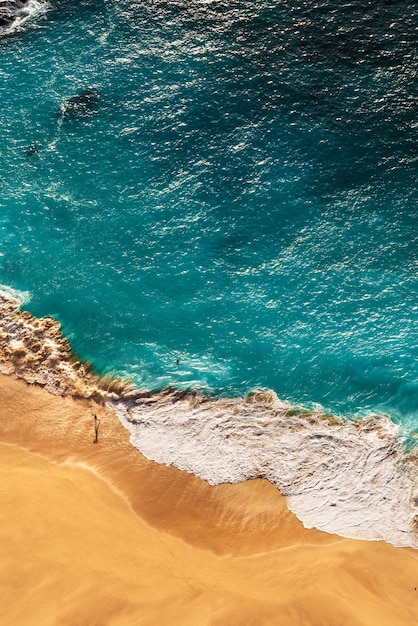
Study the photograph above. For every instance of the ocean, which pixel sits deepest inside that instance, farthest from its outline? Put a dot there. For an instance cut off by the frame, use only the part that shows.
(220, 196)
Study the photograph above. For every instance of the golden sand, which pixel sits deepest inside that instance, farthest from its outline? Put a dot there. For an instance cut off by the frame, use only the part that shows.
(97, 535)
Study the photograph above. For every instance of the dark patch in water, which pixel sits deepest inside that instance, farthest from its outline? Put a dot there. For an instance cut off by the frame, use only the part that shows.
(82, 104)
(32, 150)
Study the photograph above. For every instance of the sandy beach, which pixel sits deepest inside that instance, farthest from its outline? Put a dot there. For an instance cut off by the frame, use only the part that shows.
(98, 535)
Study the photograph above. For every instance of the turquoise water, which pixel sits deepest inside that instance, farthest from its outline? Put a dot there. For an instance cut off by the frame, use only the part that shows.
(238, 210)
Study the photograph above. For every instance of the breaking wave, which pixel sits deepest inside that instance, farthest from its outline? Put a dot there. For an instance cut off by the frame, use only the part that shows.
(15, 13)
(35, 350)
(349, 477)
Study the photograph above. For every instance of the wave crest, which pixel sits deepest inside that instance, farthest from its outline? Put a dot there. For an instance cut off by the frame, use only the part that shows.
(349, 477)
(14, 13)
(35, 350)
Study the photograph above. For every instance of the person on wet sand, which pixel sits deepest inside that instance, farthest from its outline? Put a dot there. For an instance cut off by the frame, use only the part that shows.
(96, 428)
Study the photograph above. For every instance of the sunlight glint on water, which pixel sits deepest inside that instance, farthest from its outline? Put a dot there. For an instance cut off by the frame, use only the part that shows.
(240, 208)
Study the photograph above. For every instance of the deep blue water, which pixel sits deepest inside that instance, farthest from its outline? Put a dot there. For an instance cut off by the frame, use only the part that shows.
(238, 210)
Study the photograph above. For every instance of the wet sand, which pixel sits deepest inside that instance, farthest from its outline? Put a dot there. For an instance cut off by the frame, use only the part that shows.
(95, 534)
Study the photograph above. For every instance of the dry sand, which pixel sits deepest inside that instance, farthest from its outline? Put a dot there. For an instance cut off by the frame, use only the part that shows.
(97, 535)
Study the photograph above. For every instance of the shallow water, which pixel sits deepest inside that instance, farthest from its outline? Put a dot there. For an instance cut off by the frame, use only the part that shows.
(239, 208)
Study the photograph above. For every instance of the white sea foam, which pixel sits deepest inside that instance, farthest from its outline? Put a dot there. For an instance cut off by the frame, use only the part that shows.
(351, 478)
(15, 13)
(8, 293)
(35, 350)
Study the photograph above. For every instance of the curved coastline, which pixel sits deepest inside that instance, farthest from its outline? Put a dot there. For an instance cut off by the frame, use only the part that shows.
(351, 478)
(98, 534)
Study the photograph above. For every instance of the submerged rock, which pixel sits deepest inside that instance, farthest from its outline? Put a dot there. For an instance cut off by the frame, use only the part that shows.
(83, 103)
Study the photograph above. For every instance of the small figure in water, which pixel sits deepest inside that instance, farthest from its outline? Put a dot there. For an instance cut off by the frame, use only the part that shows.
(96, 428)
(32, 150)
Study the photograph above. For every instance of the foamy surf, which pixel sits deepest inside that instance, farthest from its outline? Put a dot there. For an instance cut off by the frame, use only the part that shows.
(35, 350)
(15, 13)
(352, 478)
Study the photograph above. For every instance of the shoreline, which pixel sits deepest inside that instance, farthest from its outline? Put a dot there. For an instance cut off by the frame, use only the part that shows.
(61, 430)
(98, 534)
(351, 478)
